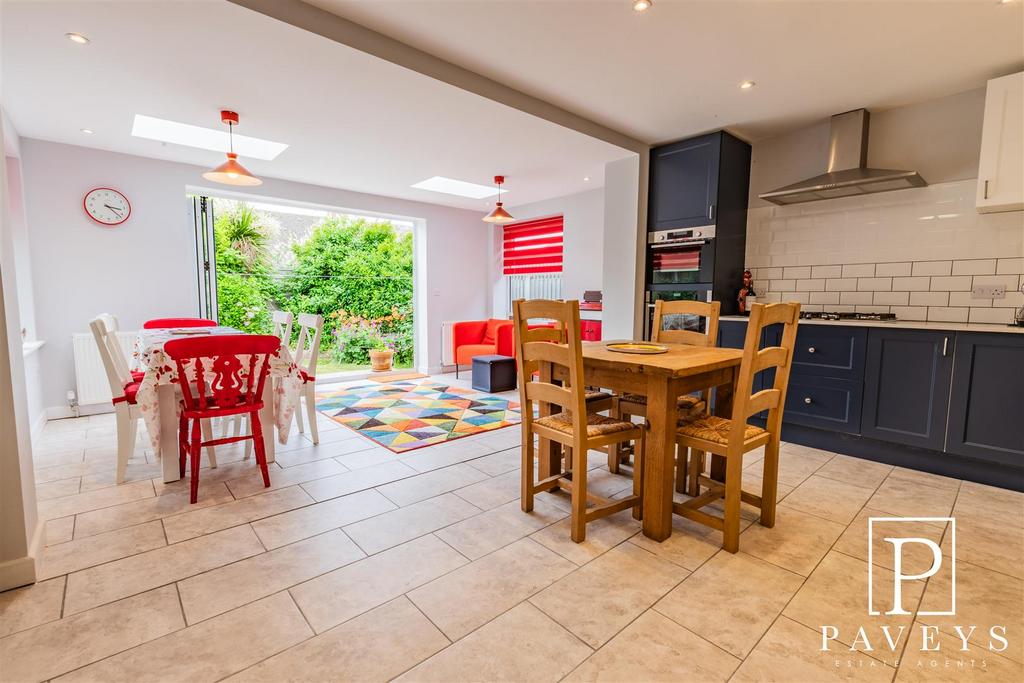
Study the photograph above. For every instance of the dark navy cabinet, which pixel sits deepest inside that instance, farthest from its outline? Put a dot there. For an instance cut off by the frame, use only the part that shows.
(684, 183)
(986, 407)
(824, 351)
(906, 386)
(824, 402)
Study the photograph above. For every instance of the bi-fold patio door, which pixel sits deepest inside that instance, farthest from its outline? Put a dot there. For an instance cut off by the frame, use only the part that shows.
(201, 209)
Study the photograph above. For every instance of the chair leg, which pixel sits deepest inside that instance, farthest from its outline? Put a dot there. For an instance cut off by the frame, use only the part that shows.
(310, 395)
(195, 446)
(769, 483)
(298, 416)
(261, 454)
(638, 475)
(579, 493)
(207, 430)
(248, 442)
(125, 442)
(682, 464)
(696, 468)
(182, 444)
(526, 496)
(616, 450)
(731, 532)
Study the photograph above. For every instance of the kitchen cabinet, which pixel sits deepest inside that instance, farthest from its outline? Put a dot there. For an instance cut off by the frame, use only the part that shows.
(824, 402)
(1001, 162)
(986, 408)
(684, 183)
(907, 385)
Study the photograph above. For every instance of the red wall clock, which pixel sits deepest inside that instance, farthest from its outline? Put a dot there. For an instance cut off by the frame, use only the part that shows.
(107, 206)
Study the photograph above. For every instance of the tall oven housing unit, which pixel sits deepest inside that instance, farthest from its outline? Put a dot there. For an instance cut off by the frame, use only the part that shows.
(697, 223)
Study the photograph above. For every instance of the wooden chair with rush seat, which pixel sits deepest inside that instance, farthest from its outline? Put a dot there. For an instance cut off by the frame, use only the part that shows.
(732, 438)
(636, 404)
(576, 428)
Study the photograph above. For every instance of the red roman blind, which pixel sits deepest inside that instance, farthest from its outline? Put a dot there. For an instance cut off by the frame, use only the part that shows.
(533, 246)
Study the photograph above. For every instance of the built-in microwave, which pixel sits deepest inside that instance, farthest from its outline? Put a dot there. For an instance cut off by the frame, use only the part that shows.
(681, 257)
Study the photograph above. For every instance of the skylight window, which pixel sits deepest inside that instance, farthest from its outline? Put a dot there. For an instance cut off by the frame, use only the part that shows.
(176, 133)
(457, 187)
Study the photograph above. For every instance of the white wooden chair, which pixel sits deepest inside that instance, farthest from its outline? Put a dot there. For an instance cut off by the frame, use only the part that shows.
(123, 389)
(283, 326)
(310, 328)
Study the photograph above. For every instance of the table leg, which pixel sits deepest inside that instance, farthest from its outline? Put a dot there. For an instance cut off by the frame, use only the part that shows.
(167, 402)
(268, 421)
(723, 408)
(659, 459)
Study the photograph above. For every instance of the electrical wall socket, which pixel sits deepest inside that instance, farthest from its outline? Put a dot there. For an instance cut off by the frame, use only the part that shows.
(989, 292)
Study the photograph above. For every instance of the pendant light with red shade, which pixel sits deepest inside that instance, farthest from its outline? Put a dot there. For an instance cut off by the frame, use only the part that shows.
(499, 214)
(231, 172)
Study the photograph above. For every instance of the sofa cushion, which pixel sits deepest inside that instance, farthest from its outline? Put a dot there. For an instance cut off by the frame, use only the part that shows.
(491, 332)
(465, 353)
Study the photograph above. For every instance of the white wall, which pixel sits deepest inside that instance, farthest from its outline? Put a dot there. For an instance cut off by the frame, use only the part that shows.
(145, 268)
(623, 251)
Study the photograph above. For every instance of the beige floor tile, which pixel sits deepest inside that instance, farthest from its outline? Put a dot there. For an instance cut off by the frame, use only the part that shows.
(430, 484)
(689, 546)
(357, 480)
(321, 451)
(293, 526)
(995, 547)
(603, 483)
(375, 455)
(490, 493)
(49, 650)
(114, 580)
(210, 650)
(376, 646)
(654, 648)
(794, 466)
(93, 500)
(497, 582)
(225, 588)
(335, 597)
(926, 478)
(987, 505)
(951, 664)
(602, 535)
(45, 475)
(907, 498)
(404, 524)
(916, 557)
(856, 471)
(792, 652)
(252, 483)
(522, 644)
(598, 600)
(30, 606)
(59, 530)
(827, 498)
(93, 550)
(43, 459)
(836, 594)
(136, 471)
(506, 437)
(797, 541)
(195, 523)
(748, 595)
(149, 509)
(984, 598)
(58, 488)
(486, 532)
(500, 462)
(443, 455)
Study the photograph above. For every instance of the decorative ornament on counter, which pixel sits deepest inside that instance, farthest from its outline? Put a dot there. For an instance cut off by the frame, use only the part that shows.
(747, 295)
(1018, 319)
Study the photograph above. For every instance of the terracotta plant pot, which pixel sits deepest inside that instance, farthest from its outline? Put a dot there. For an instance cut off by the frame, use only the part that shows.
(380, 361)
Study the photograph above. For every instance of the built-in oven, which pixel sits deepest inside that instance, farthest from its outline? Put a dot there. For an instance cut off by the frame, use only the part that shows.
(683, 256)
(675, 321)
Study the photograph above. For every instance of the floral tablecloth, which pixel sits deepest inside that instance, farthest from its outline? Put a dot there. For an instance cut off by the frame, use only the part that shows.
(160, 370)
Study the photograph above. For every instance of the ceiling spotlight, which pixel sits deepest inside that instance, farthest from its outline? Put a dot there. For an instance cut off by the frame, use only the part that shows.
(87, 131)
(747, 85)
(586, 179)
(77, 38)
(642, 5)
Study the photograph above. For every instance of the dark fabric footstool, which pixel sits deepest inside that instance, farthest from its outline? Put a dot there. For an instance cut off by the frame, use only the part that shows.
(494, 373)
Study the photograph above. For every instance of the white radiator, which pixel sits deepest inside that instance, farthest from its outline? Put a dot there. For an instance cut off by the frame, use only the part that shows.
(90, 377)
(447, 357)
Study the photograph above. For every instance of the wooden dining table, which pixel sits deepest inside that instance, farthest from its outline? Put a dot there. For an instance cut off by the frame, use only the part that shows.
(663, 377)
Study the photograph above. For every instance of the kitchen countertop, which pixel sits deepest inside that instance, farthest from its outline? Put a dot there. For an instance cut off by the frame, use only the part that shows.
(906, 324)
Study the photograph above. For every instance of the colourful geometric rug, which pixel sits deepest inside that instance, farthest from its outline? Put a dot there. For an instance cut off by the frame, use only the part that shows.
(403, 416)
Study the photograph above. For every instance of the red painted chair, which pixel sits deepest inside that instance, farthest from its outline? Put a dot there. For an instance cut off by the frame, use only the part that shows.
(167, 323)
(473, 338)
(235, 389)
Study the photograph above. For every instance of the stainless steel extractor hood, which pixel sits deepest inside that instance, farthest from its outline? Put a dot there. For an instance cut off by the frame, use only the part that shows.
(847, 174)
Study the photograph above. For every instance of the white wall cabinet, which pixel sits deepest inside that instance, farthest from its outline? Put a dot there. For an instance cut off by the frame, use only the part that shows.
(1001, 164)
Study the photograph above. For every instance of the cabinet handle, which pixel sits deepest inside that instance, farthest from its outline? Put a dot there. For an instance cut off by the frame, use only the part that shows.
(807, 400)
(711, 212)
(811, 350)
(986, 189)
(945, 345)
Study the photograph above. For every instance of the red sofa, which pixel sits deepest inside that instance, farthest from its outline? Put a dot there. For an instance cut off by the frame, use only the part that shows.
(481, 338)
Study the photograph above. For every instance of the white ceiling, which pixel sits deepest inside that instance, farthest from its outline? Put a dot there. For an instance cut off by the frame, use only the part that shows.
(352, 121)
(673, 71)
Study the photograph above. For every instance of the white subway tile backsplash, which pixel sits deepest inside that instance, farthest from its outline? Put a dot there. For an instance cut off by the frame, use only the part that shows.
(910, 312)
(771, 273)
(826, 271)
(893, 269)
(911, 284)
(991, 315)
(932, 268)
(859, 270)
(967, 299)
(824, 297)
(874, 284)
(929, 298)
(1012, 300)
(801, 297)
(975, 267)
(873, 309)
(769, 297)
(782, 285)
(810, 285)
(1009, 282)
(892, 298)
(948, 315)
(796, 272)
(846, 284)
(856, 298)
(1010, 265)
(954, 283)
